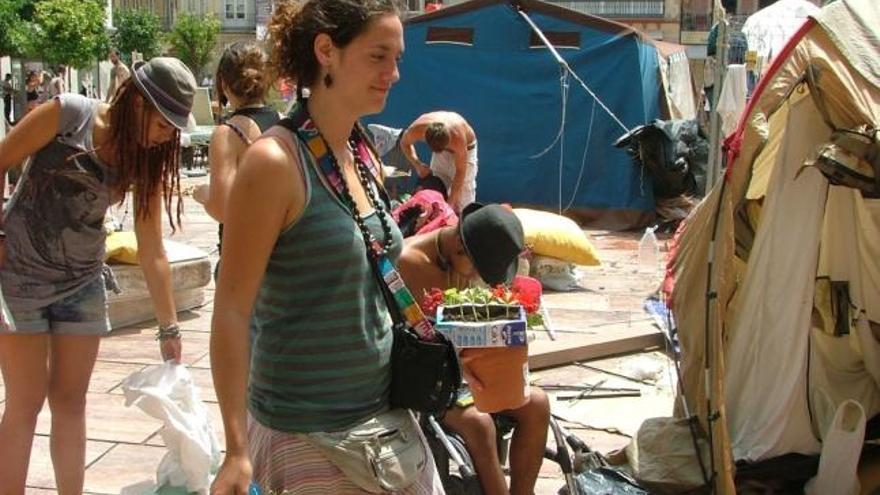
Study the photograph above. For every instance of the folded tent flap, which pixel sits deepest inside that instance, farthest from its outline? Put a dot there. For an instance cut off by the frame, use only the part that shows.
(852, 159)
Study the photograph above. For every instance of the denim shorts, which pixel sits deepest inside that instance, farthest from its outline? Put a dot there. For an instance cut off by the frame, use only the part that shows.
(82, 313)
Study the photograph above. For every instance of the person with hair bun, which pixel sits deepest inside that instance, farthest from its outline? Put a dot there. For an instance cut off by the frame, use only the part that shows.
(241, 82)
(301, 335)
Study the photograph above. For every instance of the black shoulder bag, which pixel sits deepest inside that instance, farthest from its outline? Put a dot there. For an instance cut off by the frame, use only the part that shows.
(425, 374)
(425, 371)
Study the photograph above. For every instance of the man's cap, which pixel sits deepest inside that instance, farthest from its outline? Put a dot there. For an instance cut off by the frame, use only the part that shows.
(493, 238)
(169, 85)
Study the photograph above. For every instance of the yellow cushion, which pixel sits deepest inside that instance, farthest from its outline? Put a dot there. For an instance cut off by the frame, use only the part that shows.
(549, 234)
(122, 248)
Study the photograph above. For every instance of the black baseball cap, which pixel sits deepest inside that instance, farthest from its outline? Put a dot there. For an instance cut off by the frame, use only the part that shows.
(493, 238)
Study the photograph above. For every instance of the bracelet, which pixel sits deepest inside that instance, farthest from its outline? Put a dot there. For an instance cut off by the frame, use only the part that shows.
(171, 331)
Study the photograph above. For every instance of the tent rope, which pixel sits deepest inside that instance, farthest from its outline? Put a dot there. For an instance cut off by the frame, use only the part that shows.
(577, 183)
(560, 136)
(564, 66)
(563, 85)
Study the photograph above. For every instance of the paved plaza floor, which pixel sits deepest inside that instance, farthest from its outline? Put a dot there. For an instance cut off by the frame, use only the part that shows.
(124, 447)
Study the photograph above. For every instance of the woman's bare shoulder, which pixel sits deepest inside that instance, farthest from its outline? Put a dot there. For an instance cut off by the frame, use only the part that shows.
(269, 156)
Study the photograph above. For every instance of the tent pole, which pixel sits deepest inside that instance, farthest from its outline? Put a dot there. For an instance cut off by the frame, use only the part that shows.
(713, 173)
(563, 64)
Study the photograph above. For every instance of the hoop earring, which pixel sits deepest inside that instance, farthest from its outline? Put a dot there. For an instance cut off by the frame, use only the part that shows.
(328, 80)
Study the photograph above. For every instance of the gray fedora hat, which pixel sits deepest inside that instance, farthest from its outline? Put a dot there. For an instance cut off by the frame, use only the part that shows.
(169, 85)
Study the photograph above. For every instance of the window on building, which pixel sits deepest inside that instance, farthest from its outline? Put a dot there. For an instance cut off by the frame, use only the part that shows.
(451, 35)
(559, 39)
(696, 21)
(235, 9)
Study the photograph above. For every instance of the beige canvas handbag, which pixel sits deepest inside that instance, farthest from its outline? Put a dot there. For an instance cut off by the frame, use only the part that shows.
(383, 454)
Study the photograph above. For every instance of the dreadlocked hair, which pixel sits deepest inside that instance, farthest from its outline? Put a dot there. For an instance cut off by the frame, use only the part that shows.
(139, 168)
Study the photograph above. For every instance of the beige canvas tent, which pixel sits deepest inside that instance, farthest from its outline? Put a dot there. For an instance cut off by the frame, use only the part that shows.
(765, 360)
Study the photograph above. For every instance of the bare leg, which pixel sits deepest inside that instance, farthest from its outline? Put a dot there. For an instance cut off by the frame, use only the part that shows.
(478, 431)
(25, 375)
(529, 441)
(72, 359)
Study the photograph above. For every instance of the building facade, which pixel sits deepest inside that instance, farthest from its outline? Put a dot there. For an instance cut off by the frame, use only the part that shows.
(658, 18)
(238, 18)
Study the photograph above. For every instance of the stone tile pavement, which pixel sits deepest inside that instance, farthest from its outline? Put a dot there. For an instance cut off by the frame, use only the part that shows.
(124, 448)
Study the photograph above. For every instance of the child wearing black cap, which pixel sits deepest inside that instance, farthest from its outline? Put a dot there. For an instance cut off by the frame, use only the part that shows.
(485, 245)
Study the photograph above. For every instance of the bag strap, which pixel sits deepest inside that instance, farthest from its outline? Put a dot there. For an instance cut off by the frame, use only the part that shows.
(401, 303)
(300, 123)
(393, 308)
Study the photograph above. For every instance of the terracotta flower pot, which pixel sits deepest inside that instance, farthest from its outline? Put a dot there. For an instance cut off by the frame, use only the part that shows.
(504, 372)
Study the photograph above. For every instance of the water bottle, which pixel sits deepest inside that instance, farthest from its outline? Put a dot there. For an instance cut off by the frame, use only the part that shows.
(649, 252)
(254, 489)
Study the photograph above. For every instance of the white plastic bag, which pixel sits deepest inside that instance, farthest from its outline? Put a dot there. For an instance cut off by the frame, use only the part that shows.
(841, 447)
(166, 392)
(554, 273)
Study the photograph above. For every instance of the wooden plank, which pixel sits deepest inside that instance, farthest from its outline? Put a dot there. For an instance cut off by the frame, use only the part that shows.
(584, 319)
(608, 341)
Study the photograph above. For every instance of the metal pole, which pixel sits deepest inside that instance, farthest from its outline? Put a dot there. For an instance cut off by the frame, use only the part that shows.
(564, 65)
(713, 168)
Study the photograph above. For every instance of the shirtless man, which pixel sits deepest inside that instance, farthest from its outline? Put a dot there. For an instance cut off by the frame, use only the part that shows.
(118, 74)
(454, 154)
(486, 244)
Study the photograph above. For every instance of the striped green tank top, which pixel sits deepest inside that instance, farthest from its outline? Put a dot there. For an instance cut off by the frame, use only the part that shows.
(321, 332)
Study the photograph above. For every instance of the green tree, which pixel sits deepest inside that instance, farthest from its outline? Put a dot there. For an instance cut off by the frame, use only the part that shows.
(193, 40)
(14, 27)
(69, 32)
(137, 30)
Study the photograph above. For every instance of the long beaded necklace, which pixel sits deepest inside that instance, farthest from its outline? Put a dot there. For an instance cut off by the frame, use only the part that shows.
(301, 124)
(377, 249)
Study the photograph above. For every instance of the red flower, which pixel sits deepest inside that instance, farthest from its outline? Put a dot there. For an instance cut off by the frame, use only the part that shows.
(527, 291)
(500, 292)
(431, 300)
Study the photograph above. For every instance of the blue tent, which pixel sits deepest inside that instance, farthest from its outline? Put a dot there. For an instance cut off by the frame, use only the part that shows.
(482, 60)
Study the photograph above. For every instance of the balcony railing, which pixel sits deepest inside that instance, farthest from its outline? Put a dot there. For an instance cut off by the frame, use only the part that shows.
(601, 8)
(616, 8)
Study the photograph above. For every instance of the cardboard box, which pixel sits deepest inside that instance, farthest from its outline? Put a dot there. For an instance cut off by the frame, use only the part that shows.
(499, 332)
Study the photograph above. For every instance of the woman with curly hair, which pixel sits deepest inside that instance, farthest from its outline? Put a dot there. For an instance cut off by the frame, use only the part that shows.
(85, 155)
(301, 335)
